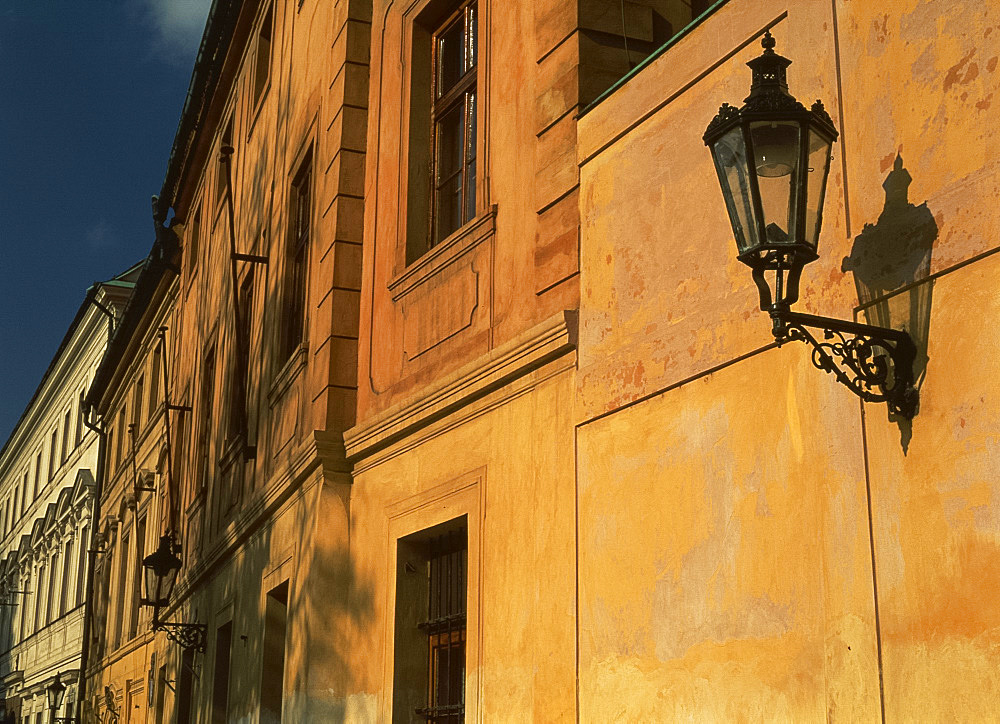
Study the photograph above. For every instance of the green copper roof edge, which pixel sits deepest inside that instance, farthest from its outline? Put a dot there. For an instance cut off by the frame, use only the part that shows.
(653, 56)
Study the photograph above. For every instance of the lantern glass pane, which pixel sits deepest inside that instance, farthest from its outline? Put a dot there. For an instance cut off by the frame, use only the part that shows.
(819, 169)
(776, 160)
(152, 585)
(730, 157)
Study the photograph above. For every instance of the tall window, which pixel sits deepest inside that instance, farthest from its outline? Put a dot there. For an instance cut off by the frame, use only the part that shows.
(429, 666)
(122, 431)
(64, 594)
(81, 568)
(120, 593)
(272, 683)
(297, 257)
(79, 418)
(111, 449)
(140, 539)
(454, 122)
(154, 381)
(205, 405)
(194, 239)
(185, 687)
(241, 366)
(262, 62)
(220, 682)
(51, 605)
(53, 454)
(138, 398)
(67, 423)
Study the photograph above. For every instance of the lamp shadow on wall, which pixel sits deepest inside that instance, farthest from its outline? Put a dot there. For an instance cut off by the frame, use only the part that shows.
(891, 262)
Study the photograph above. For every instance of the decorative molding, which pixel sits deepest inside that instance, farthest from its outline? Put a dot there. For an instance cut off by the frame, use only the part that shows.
(543, 343)
(443, 255)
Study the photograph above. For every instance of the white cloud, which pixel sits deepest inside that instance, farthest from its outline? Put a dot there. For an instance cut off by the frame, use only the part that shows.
(179, 25)
(101, 236)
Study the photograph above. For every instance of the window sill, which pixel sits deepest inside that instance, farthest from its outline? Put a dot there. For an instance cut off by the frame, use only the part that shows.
(288, 374)
(444, 254)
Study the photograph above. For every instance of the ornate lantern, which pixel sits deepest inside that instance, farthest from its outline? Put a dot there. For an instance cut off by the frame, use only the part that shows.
(160, 569)
(772, 157)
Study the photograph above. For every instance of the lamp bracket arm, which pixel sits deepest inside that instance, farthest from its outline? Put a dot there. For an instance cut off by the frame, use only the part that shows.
(875, 363)
(187, 635)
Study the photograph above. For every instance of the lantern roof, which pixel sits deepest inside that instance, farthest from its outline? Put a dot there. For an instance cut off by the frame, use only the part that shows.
(769, 96)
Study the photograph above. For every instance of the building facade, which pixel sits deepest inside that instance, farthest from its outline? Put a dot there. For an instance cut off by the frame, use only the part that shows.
(474, 415)
(47, 480)
(256, 278)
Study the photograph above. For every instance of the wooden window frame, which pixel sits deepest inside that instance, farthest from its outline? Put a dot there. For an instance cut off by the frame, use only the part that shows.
(296, 278)
(462, 94)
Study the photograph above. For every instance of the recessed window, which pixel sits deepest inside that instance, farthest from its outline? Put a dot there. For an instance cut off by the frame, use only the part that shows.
(194, 240)
(53, 455)
(262, 61)
(67, 423)
(154, 381)
(220, 682)
(241, 361)
(205, 408)
(297, 257)
(430, 629)
(442, 126)
(79, 418)
(272, 682)
(138, 399)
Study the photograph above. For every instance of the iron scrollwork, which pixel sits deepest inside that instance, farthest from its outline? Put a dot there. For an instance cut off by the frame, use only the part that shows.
(187, 635)
(875, 363)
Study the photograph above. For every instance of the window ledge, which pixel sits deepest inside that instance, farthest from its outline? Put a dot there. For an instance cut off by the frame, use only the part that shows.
(288, 374)
(442, 255)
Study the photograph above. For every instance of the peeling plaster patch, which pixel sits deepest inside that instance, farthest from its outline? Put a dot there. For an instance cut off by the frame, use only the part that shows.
(991, 64)
(955, 72)
(984, 103)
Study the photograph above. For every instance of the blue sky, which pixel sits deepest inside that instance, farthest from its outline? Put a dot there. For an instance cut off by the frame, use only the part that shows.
(90, 95)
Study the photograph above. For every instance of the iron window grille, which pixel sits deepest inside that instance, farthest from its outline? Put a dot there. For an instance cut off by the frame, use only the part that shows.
(445, 628)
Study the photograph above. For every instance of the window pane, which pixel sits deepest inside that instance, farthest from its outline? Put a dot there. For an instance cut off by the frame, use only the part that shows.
(449, 144)
(731, 164)
(470, 156)
(449, 207)
(470, 38)
(775, 147)
(449, 58)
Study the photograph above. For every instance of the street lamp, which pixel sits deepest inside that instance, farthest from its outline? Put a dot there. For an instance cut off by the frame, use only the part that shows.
(160, 570)
(55, 693)
(772, 156)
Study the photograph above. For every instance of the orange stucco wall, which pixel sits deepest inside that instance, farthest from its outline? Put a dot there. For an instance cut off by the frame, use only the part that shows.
(727, 567)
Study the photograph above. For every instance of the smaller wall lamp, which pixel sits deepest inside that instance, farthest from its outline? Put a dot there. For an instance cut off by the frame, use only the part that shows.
(160, 570)
(772, 156)
(55, 692)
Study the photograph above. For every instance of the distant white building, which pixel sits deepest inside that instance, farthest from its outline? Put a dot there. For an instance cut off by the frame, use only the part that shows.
(47, 472)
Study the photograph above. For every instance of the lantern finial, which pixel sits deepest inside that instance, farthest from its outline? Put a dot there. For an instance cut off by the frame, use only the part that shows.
(767, 42)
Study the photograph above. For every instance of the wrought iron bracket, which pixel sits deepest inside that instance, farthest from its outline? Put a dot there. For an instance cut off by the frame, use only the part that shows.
(188, 635)
(875, 363)
(180, 408)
